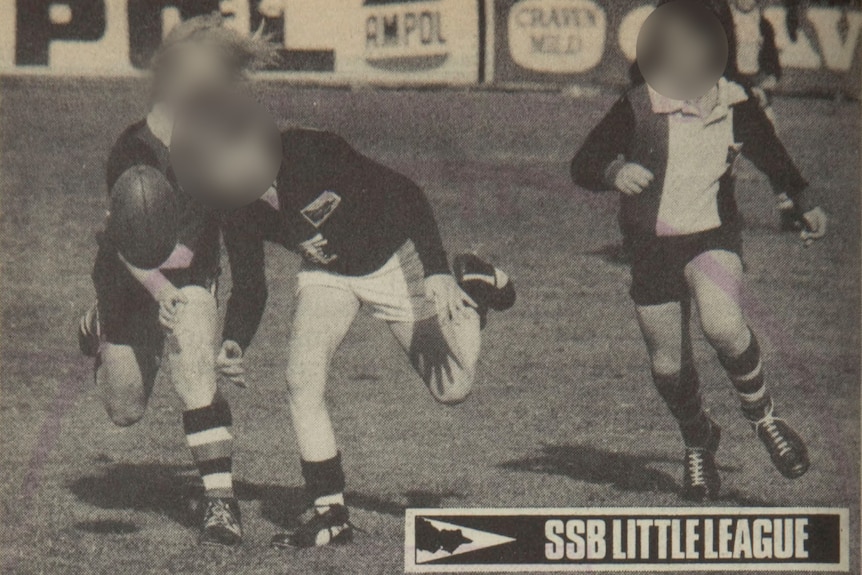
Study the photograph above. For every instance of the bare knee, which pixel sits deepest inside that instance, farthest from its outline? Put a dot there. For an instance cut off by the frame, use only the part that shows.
(125, 415)
(666, 362)
(125, 403)
(727, 333)
(665, 358)
(451, 388)
(124, 383)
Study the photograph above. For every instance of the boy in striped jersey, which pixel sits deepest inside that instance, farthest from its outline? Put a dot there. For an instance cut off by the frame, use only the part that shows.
(672, 162)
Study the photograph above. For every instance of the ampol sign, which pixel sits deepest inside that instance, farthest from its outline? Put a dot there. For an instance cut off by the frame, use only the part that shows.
(593, 41)
(338, 41)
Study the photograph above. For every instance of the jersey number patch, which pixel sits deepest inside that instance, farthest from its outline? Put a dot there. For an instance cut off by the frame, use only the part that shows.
(318, 211)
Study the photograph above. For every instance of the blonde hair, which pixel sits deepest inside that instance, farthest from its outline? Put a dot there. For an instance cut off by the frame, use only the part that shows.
(242, 52)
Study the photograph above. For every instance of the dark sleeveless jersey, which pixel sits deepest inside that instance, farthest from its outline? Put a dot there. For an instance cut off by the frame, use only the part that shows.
(199, 230)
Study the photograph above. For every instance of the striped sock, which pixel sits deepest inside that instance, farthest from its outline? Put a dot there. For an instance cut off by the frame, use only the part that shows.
(324, 481)
(212, 445)
(746, 375)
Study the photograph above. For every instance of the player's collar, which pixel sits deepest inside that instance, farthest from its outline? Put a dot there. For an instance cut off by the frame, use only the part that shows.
(712, 106)
(271, 197)
(160, 124)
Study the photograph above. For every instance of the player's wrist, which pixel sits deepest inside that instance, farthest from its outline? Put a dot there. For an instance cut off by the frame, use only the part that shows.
(156, 284)
(612, 171)
(804, 201)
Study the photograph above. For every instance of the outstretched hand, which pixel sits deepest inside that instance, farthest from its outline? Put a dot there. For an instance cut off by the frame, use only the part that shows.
(229, 363)
(451, 301)
(815, 225)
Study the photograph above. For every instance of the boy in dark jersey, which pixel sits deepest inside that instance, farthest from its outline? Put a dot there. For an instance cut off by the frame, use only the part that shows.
(368, 238)
(144, 300)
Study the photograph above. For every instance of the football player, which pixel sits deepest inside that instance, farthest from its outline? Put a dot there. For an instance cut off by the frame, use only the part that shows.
(757, 60)
(368, 238)
(672, 162)
(156, 284)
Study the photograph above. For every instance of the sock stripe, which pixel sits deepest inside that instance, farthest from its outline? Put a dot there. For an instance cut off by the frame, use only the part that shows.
(327, 500)
(217, 481)
(209, 417)
(211, 444)
(754, 374)
(211, 466)
(213, 435)
(754, 397)
(216, 450)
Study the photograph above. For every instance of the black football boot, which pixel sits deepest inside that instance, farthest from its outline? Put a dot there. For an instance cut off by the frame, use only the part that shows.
(478, 279)
(700, 479)
(318, 528)
(222, 524)
(89, 332)
(785, 447)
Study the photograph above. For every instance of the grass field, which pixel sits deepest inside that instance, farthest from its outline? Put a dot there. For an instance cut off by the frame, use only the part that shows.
(564, 413)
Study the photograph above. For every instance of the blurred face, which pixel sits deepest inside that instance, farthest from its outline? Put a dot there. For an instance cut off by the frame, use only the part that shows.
(682, 50)
(194, 67)
(226, 152)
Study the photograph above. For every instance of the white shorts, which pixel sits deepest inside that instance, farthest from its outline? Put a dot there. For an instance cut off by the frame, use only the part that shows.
(395, 292)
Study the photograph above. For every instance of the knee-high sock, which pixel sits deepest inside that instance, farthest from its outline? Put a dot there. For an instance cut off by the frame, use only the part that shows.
(324, 481)
(208, 436)
(681, 393)
(746, 374)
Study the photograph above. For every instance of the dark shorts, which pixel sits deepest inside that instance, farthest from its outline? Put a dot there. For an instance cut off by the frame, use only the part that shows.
(128, 314)
(658, 263)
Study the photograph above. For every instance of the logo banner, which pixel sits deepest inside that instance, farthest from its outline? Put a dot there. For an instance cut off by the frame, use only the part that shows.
(621, 539)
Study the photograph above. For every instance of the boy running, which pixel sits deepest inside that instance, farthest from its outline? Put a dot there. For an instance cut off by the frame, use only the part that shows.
(672, 163)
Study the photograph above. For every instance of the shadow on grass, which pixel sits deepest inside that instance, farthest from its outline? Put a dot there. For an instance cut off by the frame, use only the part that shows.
(622, 471)
(175, 491)
(615, 254)
(107, 527)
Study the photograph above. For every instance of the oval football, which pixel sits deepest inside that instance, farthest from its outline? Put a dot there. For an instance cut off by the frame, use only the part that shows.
(144, 219)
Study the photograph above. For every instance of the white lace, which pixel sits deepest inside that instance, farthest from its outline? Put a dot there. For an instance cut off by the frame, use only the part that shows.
(694, 459)
(218, 513)
(768, 424)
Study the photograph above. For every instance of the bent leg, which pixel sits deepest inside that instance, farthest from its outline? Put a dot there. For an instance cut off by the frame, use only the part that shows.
(444, 355)
(715, 279)
(125, 376)
(666, 331)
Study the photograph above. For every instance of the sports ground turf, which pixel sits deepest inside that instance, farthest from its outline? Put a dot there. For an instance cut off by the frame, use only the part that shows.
(564, 413)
